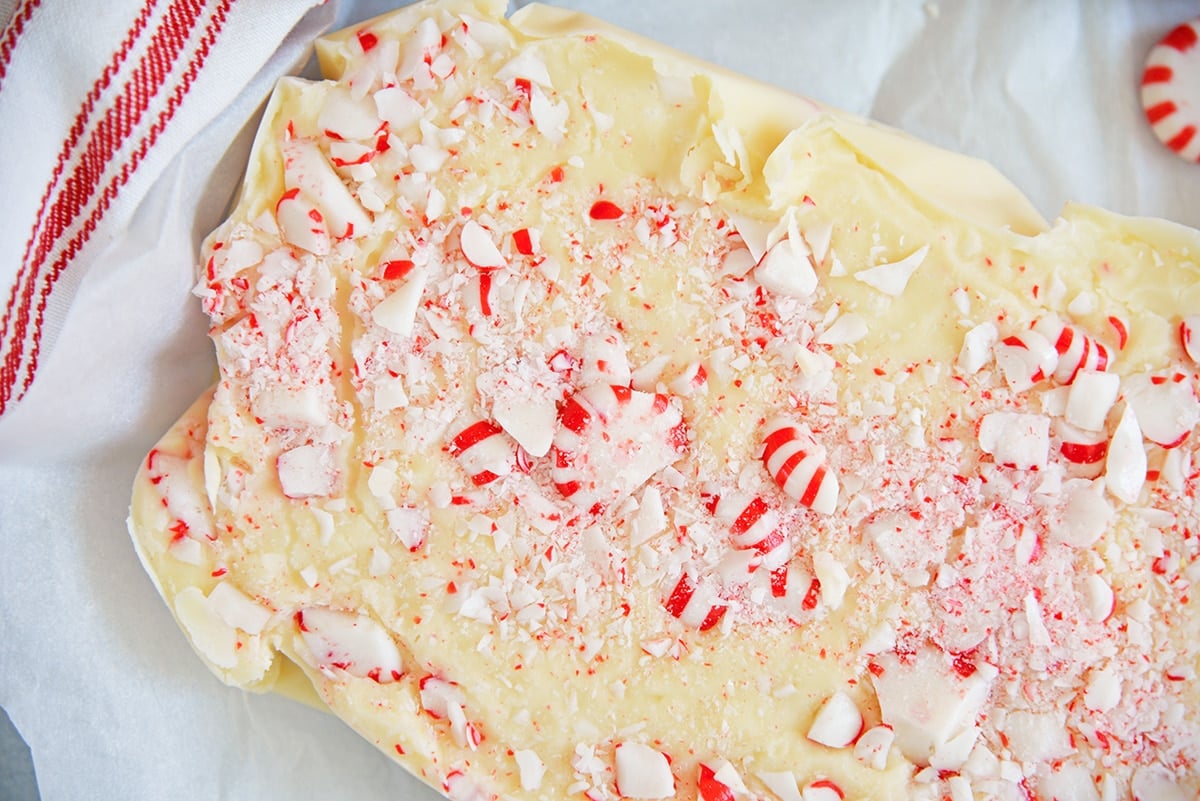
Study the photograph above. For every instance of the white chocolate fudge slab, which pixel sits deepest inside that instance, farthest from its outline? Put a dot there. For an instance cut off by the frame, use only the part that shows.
(592, 423)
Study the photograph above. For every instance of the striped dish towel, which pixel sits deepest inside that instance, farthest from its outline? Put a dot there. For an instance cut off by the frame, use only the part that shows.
(96, 99)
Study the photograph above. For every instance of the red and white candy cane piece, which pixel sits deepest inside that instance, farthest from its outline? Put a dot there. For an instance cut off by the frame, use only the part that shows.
(719, 781)
(479, 293)
(443, 700)
(302, 223)
(172, 475)
(1076, 350)
(484, 451)
(754, 525)
(479, 248)
(1171, 90)
(1166, 407)
(822, 790)
(349, 642)
(794, 590)
(796, 461)
(459, 787)
(693, 378)
(872, 746)
(611, 439)
(838, 722)
(697, 606)
(306, 168)
(1081, 447)
(1026, 358)
(1189, 336)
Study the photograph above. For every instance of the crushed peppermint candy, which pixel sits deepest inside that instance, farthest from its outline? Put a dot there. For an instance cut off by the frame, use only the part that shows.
(491, 405)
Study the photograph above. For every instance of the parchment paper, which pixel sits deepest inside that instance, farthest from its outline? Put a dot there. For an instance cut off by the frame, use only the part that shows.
(93, 670)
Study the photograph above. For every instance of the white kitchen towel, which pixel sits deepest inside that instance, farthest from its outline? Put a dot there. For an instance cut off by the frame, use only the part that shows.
(96, 99)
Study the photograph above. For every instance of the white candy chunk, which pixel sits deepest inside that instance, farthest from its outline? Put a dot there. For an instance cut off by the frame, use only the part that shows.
(605, 359)
(1068, 783)
(479, 248)
(215, 639)
(1156, 783)
(818, 235)
(529, 420)
(833, 577)
(755, 233)
(398, 108)
(1038, 635)
(1016, 440)
(646, 377)
(650, 519)
(531, 767)
(1167, 410)
(280, 405)
(347, 117)
(305, 472)
(872, 747)
(838, 721)
(398, 311)
(212, 475)
(238, 609)
(1098, 598)
(1090, 397)
(1086, 513)
(845, 330)
(390, 394)
(960, 789)
(526, 65)
(349, 642)
(977, 347)
(927, 703)
(1103, 690)
(1037, 736)
(408, 525)
(782, 784)
(953, 754)
(305, 167)
(738, 262)
(891, 279)
(382, 478)
(549, 118)
(1125, 464)
(787, 269)
(643, 772)
(427, 159)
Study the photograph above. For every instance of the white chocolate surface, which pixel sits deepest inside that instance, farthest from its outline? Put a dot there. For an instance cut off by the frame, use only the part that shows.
(553, 595)
(457, 585)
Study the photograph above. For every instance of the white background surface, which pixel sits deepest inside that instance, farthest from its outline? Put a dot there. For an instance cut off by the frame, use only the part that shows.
(94, 671)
